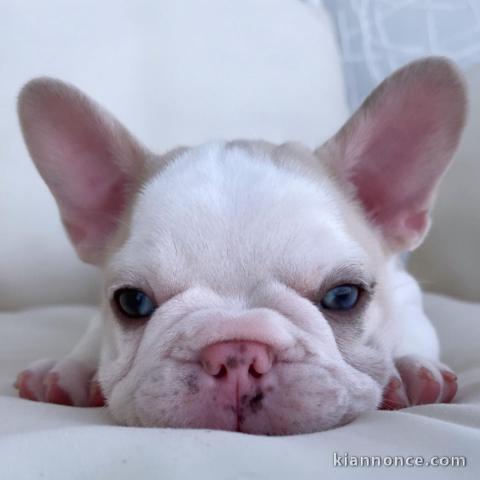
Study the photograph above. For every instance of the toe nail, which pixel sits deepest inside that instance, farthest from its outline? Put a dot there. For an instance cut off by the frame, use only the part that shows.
(50, 379)
(395, 383)
(21, 377)
(426, 374)
(55, 394)
(96, 396)
(449, 376)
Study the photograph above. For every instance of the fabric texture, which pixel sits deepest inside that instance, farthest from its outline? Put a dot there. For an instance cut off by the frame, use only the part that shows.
(377, 37)
(39, 440)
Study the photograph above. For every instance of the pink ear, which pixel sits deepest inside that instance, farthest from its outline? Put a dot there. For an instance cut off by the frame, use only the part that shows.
(89, 161)
(397, 146)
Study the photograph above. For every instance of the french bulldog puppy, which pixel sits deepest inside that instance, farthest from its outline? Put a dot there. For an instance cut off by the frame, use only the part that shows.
(249, 286)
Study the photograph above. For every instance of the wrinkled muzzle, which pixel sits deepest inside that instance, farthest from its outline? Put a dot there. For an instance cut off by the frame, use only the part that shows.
(254, 373)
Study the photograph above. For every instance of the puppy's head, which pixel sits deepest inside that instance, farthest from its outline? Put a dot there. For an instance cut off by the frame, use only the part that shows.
(246, 284)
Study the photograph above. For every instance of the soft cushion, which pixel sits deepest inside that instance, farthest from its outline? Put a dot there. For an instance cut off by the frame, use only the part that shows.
(379, 37)
(449, 259)
(39, 440)
(175, 72)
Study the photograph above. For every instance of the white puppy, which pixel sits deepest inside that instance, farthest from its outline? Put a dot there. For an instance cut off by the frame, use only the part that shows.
(250, 286)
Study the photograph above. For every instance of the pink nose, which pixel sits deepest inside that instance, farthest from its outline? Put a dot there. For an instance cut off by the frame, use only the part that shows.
(236, 361)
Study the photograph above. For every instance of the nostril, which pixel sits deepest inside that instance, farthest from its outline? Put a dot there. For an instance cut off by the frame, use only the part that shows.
(253, 372)
(221, 373)
(236, 359)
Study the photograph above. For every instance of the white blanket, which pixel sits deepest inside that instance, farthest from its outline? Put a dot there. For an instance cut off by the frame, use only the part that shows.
(56, 442)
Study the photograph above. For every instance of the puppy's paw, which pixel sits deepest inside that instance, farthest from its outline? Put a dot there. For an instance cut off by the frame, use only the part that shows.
(68, 382)
(419, 381)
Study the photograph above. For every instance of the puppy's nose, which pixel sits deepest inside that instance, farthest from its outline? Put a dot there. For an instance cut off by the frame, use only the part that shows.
(236, 359)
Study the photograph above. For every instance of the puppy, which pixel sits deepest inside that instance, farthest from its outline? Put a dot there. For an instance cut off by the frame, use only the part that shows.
(249, 286)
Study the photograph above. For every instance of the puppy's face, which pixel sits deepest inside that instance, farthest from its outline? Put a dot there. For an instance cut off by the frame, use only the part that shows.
(234, 251)
(246, 284)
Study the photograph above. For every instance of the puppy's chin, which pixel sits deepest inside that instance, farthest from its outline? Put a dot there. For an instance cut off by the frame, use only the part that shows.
(294, 398)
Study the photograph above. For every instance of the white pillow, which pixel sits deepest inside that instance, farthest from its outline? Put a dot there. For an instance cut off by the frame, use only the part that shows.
(175, 71)
(449, 260)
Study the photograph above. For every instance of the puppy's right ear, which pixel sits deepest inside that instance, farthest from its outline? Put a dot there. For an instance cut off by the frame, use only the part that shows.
(397, 146)
(90, 162)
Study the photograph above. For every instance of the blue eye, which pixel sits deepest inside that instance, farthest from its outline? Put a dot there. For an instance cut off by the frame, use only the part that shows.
(343, 297)
(133, 303)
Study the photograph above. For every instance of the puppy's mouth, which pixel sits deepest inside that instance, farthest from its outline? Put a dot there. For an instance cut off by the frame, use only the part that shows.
(244, 386)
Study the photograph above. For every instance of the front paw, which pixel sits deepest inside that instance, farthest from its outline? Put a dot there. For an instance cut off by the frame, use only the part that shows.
(68, 382)
(419, 381)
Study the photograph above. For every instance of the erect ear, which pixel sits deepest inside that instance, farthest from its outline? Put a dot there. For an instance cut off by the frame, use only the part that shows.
(396, 147)
(90, 162)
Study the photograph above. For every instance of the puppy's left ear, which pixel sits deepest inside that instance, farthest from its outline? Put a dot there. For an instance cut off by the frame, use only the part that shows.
(91, 163)
(396, 147)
